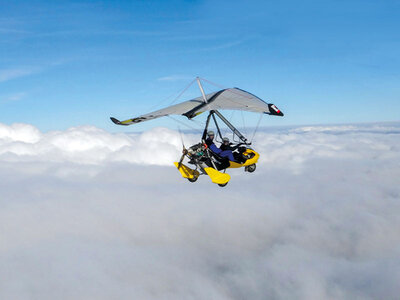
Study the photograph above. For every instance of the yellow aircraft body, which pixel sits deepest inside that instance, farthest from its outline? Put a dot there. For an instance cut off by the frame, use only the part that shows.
(216, 176)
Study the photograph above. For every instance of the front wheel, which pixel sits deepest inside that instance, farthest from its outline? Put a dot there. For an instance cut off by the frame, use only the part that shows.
(250, 168)
(222, 185)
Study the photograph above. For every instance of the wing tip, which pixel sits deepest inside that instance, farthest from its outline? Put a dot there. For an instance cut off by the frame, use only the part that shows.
(116, 121)
(273, 110)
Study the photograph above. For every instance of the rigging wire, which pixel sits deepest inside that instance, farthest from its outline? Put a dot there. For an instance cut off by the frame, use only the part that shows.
(234, 92)
(224, 87)
(244, 123)
(198, 123)
(255, 130)
(184, 90)
(184, 124)
(213, 83)
(169, 97)
(172, 102)
(230, 121)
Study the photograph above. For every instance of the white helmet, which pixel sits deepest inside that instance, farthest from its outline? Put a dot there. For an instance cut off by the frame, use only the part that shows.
(210, 133)
(225, 140)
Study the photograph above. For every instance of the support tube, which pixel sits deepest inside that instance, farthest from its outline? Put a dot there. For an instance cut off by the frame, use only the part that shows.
(231, 127)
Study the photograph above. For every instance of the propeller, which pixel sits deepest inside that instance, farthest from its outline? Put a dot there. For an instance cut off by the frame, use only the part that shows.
(184, 150)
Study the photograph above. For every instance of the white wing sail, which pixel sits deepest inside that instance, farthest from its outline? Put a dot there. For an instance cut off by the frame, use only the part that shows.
(227, 99)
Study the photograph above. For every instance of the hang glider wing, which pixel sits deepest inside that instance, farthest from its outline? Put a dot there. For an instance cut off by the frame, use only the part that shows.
(227, 99)
(235, 99)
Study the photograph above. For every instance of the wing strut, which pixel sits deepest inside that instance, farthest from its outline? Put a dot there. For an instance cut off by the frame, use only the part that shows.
(216, 124)
(223, 119)
(201, 89)
(231, 127)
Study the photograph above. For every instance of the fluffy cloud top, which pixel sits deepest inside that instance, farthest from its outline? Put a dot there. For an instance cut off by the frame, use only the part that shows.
(87, 145)
(86, 214)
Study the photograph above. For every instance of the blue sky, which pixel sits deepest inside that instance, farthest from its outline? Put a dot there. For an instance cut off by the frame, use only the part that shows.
(73, 63)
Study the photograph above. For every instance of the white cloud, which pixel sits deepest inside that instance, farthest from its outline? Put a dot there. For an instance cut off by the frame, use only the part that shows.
(18, 133)
(86, 214)
(87, 145)
(13, 97)
(8, 74)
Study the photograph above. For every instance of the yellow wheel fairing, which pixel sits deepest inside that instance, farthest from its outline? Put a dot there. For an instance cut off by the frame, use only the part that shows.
(216, 176)
(187, 172)
(233, 164)
(248, 162)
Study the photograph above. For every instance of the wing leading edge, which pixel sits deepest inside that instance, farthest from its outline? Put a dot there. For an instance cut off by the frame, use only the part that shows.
(227, 99)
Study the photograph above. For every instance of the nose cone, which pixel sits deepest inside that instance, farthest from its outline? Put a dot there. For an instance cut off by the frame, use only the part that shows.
(273, 110)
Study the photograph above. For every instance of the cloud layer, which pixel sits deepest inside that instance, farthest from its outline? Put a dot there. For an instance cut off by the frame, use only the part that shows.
(86, 214)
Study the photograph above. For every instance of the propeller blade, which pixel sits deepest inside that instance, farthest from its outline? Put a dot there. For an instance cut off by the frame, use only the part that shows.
(184, 152)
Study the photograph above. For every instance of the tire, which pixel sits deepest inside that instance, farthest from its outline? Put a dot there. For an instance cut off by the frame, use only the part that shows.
(251, 168)
(222, 185)
(194, 179)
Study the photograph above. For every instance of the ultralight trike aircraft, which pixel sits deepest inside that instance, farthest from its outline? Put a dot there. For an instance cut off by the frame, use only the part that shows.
(205, 156)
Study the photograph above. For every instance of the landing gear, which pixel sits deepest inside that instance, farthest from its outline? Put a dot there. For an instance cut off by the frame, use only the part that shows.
(194, 179)
(250, 168)
(210, 163)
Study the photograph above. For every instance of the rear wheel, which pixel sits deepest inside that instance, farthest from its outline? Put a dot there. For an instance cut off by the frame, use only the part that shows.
(194, 179)
(250, 168)
(222, 185)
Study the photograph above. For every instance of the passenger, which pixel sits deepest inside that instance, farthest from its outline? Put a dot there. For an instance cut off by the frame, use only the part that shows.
(226, 145)
(226, 149)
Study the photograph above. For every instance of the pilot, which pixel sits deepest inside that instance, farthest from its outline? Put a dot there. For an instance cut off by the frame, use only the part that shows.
(210, 142)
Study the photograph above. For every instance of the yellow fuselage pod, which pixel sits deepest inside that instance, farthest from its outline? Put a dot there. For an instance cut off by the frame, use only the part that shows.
(187, 172)
(216, 176)
(248, 162)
